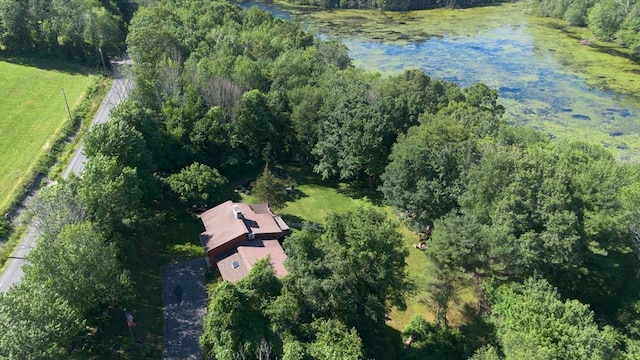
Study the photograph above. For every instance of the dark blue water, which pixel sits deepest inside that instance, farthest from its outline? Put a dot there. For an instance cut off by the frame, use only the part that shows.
(533, 86)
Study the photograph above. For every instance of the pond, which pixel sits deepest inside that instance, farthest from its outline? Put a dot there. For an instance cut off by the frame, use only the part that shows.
(503, 50)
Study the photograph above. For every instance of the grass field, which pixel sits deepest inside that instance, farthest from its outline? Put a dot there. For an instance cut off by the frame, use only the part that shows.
(32, 112)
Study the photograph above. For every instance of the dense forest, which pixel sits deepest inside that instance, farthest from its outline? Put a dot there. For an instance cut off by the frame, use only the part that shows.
(547, 231)
(69, 29)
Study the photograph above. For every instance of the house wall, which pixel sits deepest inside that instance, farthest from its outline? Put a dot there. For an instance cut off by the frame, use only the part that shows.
(271, 236)
(228, 246)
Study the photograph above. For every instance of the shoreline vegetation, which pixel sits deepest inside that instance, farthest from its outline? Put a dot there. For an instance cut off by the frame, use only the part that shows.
(603, 65)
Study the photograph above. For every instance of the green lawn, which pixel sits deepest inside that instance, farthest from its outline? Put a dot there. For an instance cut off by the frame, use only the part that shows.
(32, 112)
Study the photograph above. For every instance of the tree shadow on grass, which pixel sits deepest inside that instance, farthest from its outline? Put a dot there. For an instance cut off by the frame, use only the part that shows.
(303, 176)
(295, 194)
(477, 332)
(355, 189)
(359, 189)
(297, 222)
(52, 65)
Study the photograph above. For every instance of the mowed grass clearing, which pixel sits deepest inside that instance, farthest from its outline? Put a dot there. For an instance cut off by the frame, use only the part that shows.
(32, 112)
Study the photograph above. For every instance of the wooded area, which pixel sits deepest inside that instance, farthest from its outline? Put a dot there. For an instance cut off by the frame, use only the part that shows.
(542, 228)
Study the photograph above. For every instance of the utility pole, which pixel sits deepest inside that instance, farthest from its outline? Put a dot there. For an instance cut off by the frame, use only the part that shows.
(67, 103)
(104, 67)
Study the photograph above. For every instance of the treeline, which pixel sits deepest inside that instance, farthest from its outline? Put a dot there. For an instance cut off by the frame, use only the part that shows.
(68, 29)
(394, 5)
(608, 20)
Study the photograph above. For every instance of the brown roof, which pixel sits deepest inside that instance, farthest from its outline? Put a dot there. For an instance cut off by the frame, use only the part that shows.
(235, 265)
(222, 226)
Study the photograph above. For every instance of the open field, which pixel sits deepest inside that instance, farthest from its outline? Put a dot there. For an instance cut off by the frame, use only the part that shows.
(32, 112)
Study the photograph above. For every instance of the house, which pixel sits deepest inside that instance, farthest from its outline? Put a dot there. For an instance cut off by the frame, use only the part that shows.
(237, 235)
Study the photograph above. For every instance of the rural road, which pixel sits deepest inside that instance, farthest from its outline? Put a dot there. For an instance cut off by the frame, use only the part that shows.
(119, 91)
(13, 272)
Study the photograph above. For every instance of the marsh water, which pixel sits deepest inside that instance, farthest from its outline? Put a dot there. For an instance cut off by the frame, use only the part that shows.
(534, 86)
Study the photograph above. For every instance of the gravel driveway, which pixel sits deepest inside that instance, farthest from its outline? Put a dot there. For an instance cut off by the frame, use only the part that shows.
(184, 298)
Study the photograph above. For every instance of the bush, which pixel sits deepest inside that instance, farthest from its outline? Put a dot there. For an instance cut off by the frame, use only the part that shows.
(431, 342)
(5, 228)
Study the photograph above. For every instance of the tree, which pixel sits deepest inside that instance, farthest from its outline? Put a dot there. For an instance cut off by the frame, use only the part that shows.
(121, 141)
(226, 328)
(210, 139)
(81, 267)
(55, 207)
(460, 244)
(147, 123)
(605, 18)
(270, 189)
(334, 341)
(235, 325)
(534, 323)
(35, 322)
(352, 272)
(254, 129)
(426, 174)
(431, 342)
(197, 184)
(14, 26)
(113, 194)
(629, 33)
(577, 11)
(480, 96)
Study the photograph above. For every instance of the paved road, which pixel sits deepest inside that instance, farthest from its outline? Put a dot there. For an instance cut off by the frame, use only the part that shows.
(13, 272)
(119, 91)
(184, 297)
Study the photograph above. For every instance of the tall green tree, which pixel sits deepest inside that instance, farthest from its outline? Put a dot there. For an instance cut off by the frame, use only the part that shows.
(197, 184)
(605, 18)
(270, 189)
(258, 129)
(334, 341)
(37, 323)
(534, 323)
(82, 267)
(236, 325)
(121, 141)
(55, 207)
(427, 171)
(353, 272)
(114, 196)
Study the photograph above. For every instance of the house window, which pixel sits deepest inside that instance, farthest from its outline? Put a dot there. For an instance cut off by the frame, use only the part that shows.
(235, 264)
